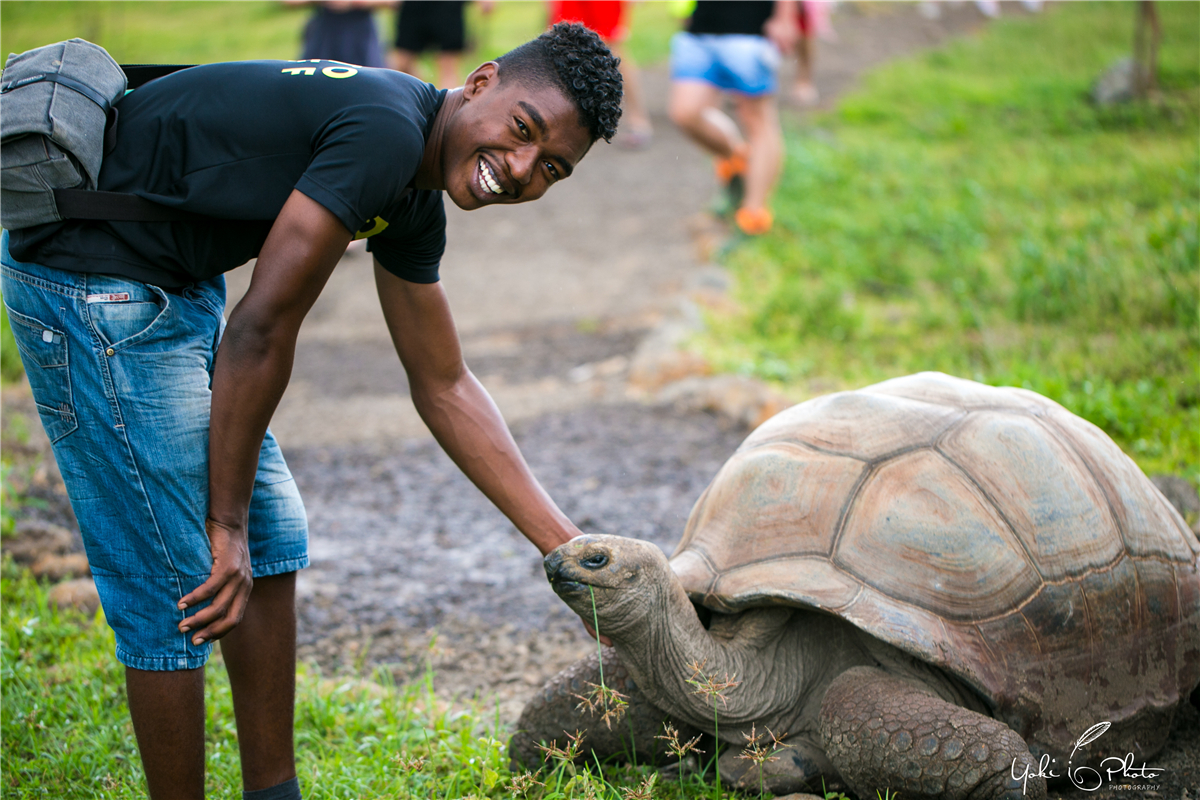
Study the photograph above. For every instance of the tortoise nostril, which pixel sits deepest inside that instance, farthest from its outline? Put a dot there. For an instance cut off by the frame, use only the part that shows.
(594, 561)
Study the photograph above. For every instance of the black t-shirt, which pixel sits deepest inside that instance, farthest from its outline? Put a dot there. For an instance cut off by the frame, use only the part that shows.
(730, 16)
(232, 141)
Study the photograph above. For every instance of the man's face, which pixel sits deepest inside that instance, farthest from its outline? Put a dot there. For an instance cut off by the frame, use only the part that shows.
(509, 142)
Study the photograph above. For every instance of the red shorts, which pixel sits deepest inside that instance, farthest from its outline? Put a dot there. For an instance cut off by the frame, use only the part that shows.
(804, 20)
(605, 17)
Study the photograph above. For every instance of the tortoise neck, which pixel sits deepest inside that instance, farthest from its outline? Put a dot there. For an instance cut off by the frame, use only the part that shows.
(680, 666)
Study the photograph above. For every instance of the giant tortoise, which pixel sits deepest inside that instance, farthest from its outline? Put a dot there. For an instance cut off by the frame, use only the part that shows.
(932, 586)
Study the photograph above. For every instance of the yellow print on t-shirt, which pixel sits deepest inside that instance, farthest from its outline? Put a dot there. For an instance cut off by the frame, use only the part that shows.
(337, 70)
(371, 227)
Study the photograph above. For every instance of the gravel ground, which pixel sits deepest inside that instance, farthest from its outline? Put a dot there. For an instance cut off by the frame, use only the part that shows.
(411, 566)
(416, 547)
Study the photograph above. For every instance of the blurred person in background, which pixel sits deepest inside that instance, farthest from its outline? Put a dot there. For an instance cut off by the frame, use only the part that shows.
(611, 20)
(343, 30)
(191, 520)
(734, 48)
(813, 17)
(437, 25)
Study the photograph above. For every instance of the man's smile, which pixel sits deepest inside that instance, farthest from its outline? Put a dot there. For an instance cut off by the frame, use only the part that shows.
(487, 180)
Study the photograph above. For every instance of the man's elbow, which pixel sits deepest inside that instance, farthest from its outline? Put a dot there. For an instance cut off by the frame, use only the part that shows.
(432, 389)
(255, 337)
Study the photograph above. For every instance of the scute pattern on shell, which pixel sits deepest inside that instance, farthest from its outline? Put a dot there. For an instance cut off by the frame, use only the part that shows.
(985, 530)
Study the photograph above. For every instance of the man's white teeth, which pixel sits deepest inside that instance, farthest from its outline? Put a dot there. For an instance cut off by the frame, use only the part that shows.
(489, 181)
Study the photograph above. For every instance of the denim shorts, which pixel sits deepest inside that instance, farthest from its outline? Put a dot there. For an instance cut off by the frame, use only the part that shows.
(740, 63)
(120, 371)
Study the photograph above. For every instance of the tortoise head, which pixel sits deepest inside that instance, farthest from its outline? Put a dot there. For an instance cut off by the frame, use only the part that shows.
(625, 576)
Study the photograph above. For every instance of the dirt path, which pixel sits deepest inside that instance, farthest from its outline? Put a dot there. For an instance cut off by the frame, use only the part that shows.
(552, 301)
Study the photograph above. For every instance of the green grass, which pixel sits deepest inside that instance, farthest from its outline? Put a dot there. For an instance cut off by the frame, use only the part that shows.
(66, 731)
(67, 734)
(969, 210)
(10, 358)
(510, 23)
(158, 32)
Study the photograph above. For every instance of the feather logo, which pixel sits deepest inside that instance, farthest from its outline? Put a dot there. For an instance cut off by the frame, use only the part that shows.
(1090, 735)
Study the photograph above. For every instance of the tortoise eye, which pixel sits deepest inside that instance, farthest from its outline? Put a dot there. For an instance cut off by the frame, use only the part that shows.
(595, 561)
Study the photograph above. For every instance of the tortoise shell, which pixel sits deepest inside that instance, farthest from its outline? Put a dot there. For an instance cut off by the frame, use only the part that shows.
(985, 530)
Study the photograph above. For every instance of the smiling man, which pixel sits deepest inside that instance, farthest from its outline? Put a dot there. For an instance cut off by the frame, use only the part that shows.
(158, 411)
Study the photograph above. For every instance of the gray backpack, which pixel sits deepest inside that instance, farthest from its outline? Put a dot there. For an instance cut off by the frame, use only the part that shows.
(57, 120)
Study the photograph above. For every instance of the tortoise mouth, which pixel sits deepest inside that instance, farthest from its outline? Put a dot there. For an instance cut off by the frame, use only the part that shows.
(563, 585)
(563, 576)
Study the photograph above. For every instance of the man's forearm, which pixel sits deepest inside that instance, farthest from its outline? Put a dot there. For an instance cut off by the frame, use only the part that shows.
(251, 373)
(469, 427)
(254, 361)
(459, 411)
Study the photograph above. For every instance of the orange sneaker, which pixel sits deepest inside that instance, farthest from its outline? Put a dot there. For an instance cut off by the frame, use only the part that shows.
(753, 221)
(728, 168)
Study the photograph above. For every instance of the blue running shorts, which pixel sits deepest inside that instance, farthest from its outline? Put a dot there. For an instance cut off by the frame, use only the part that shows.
(740, 63)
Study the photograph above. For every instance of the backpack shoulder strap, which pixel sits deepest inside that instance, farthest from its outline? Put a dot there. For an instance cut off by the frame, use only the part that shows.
(119, 206)
(63, 80)
(139, 74)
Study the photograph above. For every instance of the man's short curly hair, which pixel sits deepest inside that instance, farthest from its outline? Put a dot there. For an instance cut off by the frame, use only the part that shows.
(577, 62)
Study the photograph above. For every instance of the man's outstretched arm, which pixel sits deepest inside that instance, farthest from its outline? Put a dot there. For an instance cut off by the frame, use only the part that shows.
(253, 365)
(459, 411)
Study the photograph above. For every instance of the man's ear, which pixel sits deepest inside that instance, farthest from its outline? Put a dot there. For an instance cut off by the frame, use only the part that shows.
(484, 76)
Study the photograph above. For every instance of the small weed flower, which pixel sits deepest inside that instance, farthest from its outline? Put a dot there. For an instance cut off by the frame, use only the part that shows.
(760, 752)
(522, 784)
(643, 791)
(563, 755)
(708, 685)
(589, 788)
(712, 689)
(610, 703)
(678, 747)
(409, 763)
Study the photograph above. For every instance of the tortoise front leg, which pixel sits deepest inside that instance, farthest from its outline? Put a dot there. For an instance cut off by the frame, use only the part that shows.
(882, 732)
(558, 709)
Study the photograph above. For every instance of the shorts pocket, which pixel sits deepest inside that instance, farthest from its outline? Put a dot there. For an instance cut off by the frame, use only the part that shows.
(44, 352)
(125, 317)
